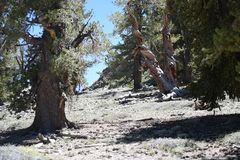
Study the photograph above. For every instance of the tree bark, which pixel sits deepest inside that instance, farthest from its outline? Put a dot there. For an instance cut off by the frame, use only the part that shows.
(148, 59)
(171, 66)
(137, 73)
(50, 109)
(50, 103)
(50, 99)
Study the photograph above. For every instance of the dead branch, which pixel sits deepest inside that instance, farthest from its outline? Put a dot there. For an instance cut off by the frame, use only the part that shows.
(2, 45)
(31, 39)
(72, 136)
(149, 61)
(83, 34)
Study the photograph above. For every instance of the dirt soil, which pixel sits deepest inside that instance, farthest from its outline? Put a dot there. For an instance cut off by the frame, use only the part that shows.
(120, 124)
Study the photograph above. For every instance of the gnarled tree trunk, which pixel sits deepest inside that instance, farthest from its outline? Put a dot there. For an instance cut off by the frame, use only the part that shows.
(137, 72)
(50, 99)
(171, 67)
(50, 102)
(50, 110)
(164, 82)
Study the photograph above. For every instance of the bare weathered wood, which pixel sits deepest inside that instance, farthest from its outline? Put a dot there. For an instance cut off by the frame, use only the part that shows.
(74, 136)
(171, 66)
(164, 83)
(83, 34)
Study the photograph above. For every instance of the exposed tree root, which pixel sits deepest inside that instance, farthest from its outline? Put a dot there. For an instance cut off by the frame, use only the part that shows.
(75, 136)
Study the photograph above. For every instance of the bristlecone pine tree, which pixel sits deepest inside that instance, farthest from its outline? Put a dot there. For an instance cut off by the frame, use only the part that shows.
(144, 57)
(213, 29)
(120, 59)
(50, 63)
(150, 22)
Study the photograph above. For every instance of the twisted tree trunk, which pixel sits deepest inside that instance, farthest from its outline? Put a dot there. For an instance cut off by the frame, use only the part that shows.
(164, 83)
(50, 110)
(50, 99)
(171, 66)
(137, 73)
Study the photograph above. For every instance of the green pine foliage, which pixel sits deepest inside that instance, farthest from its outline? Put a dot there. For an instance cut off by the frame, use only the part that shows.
(120, 58)
(7, 70)
(17, 19)
(214, 27)
(206, 38)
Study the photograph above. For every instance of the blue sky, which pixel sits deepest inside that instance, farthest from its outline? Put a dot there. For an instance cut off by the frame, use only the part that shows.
(102, 10)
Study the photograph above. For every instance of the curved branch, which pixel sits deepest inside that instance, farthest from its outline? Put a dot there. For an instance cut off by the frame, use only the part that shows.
(81, 36)
(149, 59)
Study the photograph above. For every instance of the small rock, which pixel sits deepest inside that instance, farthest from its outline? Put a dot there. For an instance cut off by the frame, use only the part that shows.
(52, 140)
(77, 147)
(38, 145)
(71, 154)
(115, 149)
(43, 139)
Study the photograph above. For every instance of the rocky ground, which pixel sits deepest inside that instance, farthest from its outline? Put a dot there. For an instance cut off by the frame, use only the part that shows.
(120, 124)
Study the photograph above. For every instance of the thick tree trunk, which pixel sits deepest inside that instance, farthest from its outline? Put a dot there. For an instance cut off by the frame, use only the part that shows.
(166, 84)
(50, 100)
(50, 114)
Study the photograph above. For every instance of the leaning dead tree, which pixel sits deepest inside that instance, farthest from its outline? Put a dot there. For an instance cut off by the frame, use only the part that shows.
(145, 57)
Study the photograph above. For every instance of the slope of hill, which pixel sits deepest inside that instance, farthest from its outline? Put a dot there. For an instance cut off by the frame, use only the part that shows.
(121, 124)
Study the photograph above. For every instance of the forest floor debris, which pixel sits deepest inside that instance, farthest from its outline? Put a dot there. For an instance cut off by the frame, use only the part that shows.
(142, 128)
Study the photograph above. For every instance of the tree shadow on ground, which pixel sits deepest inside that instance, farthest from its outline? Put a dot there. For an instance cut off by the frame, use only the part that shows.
(206, 128)
(17, 137)
(112, 93)
(107, 95)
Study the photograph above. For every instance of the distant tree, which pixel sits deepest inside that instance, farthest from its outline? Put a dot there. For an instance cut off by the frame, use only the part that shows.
(52, 62)
(145, 30)
(149, 15)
